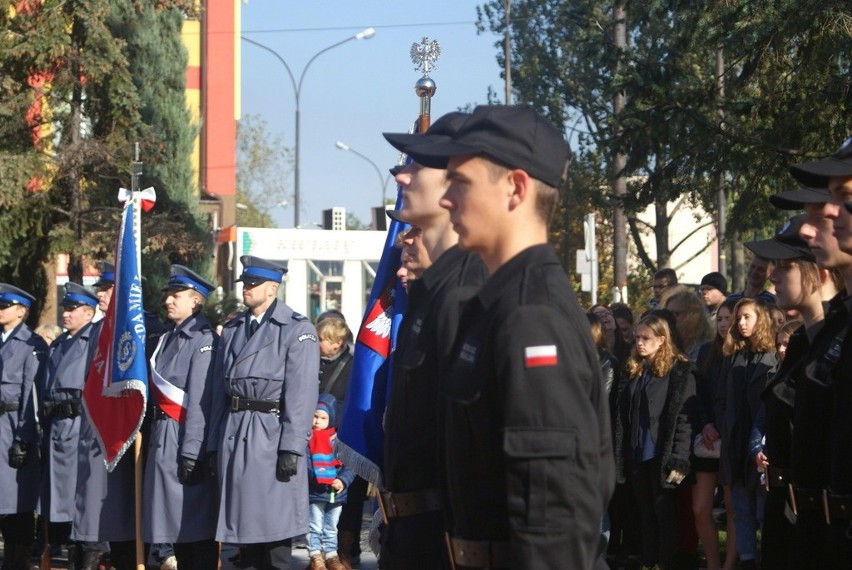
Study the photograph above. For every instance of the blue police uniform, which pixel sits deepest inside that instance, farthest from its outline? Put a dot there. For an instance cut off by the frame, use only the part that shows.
(22, 357)
(180, 496)
(264, 404)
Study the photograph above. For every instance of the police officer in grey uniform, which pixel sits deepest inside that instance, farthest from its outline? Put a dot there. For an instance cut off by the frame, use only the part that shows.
(62, 406)
(526, 447)
(22, 358)
(266, 374)
(104, 500)
(180, 495)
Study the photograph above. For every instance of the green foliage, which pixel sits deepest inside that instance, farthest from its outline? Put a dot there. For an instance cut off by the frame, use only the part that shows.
(787, 94)
(80, 83)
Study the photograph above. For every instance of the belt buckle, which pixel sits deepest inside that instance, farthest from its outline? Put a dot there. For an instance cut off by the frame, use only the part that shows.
(235, 403)
(386, 506)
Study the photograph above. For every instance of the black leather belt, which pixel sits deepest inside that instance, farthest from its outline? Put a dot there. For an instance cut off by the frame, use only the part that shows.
(69, 408)
(395, 505)
(11, 407)
(479, 553)
(245, 405)
(777, 476)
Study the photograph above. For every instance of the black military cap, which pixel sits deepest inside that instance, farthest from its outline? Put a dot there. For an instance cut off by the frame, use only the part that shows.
(396, 169)
(107, 278)
(395, 215)
(76, 295)
(257, 270)
(796, 199)
(181, 278)
(441, 130)
(786, 244)
(516, 137)
(816, 174)
(11, 295)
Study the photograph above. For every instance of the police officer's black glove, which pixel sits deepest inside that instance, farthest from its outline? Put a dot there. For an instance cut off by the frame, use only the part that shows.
(189, 471)
(17, 455)
(210, 460)
(288, 462)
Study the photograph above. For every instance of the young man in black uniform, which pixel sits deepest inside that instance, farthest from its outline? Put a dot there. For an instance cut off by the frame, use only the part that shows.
(822, 479)
(526, 449)
(413, 536)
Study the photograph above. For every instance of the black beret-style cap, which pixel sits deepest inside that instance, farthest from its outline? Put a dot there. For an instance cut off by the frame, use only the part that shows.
(787, 244)
(816, 174)
(440, 131)
(517, 137)
(796, 199)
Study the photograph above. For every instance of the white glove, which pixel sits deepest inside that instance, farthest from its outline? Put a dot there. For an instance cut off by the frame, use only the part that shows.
(675, 477)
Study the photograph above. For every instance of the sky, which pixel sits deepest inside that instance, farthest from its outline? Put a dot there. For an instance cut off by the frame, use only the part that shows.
(358, 90)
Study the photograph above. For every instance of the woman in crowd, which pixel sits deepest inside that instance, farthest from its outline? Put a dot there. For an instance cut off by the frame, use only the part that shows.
(653, 433)
(609, 364)
(705, 466)
(749, 362)
(614, 341)
(691, 316)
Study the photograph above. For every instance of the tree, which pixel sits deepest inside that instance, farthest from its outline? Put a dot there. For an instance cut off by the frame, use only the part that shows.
(263, 168)
(785, 57)
(74, 114)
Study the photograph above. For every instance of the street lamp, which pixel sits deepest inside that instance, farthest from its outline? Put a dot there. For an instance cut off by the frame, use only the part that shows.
(297, 90)
(382, 181)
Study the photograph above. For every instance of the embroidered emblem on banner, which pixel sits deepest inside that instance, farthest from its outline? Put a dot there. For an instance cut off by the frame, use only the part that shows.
(535, 356)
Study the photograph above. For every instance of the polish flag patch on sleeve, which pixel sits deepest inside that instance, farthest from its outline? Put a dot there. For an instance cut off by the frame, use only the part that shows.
(535, 356)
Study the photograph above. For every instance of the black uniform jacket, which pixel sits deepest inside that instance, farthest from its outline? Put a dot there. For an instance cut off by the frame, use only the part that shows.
(424, 344)
(527, 443)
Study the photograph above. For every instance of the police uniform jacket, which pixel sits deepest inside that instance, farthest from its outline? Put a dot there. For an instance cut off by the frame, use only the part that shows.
(672, 409)
(528, 448)
(173, 512)
(104, 501)
(279, 362)
(743, 379)
(22, 359)
(66, 374)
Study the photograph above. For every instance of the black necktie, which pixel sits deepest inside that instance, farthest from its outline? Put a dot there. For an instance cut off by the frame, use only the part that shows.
(253, 327)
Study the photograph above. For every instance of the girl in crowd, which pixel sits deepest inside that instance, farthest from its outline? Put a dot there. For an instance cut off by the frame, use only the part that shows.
(749, 362)
(653, 433)
(692, 325)
(706, 467)
(614, 341)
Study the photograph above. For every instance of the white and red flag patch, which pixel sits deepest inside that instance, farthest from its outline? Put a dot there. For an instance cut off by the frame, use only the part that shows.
(545, 355)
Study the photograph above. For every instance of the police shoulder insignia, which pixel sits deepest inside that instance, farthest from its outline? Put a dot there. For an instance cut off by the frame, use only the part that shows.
(307, 336)
(299, 317)
(206, 348)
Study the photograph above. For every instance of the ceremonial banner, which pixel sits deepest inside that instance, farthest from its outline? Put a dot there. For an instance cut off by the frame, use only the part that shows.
(116, 388)
(361, 436)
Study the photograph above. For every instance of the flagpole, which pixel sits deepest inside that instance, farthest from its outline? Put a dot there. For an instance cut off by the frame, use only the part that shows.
(424, 55)
(135, 200)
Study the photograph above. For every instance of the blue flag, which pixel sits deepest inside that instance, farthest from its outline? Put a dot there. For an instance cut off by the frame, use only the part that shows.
(361, 436)
(116, 389)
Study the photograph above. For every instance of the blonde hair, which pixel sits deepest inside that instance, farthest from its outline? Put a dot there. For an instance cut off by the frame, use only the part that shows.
(696, 328)
(667, 355)
(333, 329)
(762, 339)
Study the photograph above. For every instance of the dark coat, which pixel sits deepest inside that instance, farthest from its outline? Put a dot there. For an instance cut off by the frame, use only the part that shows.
(672, 409)
(737, 403)
(339, 380)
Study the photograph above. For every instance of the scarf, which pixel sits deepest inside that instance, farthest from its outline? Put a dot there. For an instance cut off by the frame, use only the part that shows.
(323, 457)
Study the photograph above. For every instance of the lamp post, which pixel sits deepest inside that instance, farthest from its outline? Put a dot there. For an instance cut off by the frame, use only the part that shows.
(382, 181)
(297, 91)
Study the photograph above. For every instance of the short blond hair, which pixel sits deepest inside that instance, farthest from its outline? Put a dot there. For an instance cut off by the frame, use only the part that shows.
(333, 329)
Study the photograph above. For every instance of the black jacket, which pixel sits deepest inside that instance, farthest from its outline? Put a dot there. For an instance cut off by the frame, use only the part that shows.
(673, 408)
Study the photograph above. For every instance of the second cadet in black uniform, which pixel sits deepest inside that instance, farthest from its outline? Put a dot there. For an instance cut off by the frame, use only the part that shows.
(526, 447)
(413, 536)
